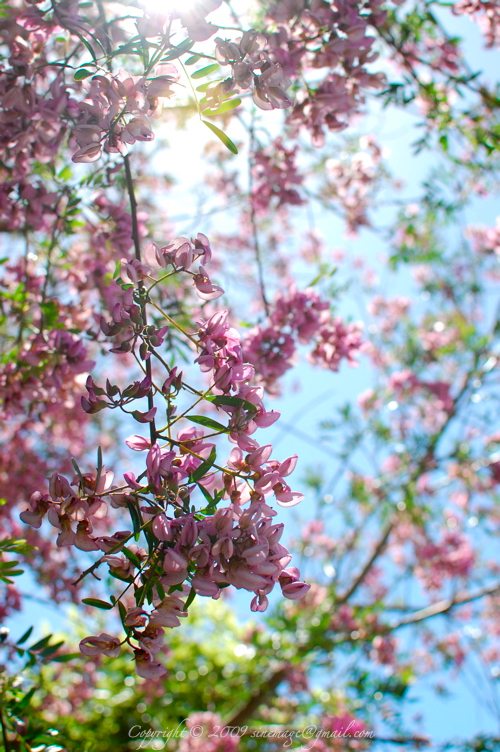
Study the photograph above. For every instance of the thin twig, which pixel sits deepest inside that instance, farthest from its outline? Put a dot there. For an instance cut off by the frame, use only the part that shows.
(442, 607)
(253, 221)
(142, 289)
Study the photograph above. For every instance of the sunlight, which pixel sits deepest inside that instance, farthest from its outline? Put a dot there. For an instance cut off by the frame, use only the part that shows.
(168, 6)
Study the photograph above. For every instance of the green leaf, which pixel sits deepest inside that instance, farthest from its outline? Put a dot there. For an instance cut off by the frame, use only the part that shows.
(181, 49)
(86, 43)
(232, 104)
(222, 136)
(204, 467)
(190, 598)
(65, 173)
(25, 636)
(50, 649)
(123, 612)
(192, 60)
(131, 556)
(211, 502)
(202, 420)
(40, 644)
(104, 605)
(81, 74)
(78, 471)
(206, 71)
(135, 517)
(160, 590)
(99, 462)
(50, 311)
(204, 87)
(234, 402)
(25, 701)
(65, 658)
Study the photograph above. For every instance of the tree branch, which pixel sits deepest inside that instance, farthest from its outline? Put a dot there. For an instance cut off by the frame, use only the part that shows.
(251, 705)
(442, 607)
(359, 579)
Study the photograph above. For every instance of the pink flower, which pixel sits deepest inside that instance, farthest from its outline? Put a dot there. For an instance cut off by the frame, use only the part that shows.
(138, 443)
(204, 287)
(104, 643)
(291, 587)
(39, 505)
(146, 666)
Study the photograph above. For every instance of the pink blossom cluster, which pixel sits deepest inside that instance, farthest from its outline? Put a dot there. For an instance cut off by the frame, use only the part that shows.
(390, 310)
(438, 53)
(345, 51)
(26, 205)
(485, 240)
(37, 441)
(67, 504)
(275, 177)
(127, 318)
(198, 552)
(404, 383)
(180, 253)
(340, 732)
(305, 317)
(251, 69)
(116, 111)
(337, 341)
(34, 106)
(231, 547)
(452, 556)
(47, 366)
(212, 739)
(351, 181)
(486, 13)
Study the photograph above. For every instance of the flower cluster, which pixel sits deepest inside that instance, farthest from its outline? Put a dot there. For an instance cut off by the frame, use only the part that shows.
(345, 51)
(452, 556)
(211, 739)
(351, 182)
(486, 240)
(116, 111)
(275, 177)
(251, 69)
(487, 15)
(33, 111)
(46, 369)
(230, 547)
(305, 317)
(189, 552)
(180, 253)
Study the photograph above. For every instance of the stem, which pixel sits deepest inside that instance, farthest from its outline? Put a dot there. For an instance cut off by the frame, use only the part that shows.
(179, 328)
(4, 733)
(142, 289)
(253, 221)
(116, 549)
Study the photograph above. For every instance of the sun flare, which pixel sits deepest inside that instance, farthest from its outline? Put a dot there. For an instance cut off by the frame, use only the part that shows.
(168, 6)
